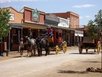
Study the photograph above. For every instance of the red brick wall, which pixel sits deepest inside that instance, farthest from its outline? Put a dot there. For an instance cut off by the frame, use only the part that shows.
(41, 19)
(74, 21)
(27, 15)
(63, 15)
(18, 17)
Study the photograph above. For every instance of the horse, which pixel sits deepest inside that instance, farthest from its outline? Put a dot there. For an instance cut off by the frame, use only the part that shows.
(42, 43)
(31, 46)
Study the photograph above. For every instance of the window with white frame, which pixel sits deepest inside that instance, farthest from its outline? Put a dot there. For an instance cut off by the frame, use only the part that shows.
(12, 17)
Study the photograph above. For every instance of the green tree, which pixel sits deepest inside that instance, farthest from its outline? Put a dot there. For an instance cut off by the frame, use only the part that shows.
(4, 19)
(92, 30)
(98, 21)
(94, 27)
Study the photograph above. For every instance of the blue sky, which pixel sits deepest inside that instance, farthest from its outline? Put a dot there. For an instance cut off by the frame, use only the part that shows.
(85, 8)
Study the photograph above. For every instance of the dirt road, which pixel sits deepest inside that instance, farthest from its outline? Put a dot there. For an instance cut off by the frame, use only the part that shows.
(70, 64)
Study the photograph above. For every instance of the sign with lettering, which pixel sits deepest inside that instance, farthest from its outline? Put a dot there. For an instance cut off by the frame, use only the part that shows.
(35, 15)
(63, 22)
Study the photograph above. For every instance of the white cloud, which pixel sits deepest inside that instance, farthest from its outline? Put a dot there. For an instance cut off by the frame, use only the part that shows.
(85, 17)
(84, 6)
(81, 17)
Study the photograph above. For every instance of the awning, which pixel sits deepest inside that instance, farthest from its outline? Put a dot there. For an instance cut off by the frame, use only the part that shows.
(34, 26)
(16, 25)
(79, 33)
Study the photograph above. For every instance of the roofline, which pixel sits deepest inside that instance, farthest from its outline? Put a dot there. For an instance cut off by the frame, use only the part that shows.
(25, 7)
(13, 9)
(73, 13)
(33, 23)
(65, 13)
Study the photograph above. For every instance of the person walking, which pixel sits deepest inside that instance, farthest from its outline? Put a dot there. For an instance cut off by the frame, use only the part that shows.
(98, 46)
(21, 46)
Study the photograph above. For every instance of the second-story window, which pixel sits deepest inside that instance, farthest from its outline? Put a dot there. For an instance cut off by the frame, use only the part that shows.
(12, 17)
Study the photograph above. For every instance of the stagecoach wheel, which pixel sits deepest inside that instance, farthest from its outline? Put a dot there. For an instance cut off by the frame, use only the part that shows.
(80, 50)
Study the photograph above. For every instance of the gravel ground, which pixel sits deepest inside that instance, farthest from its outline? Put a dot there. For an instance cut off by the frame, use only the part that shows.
(70, 64)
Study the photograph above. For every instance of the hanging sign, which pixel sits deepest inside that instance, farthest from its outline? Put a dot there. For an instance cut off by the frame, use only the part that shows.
(35, 15)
